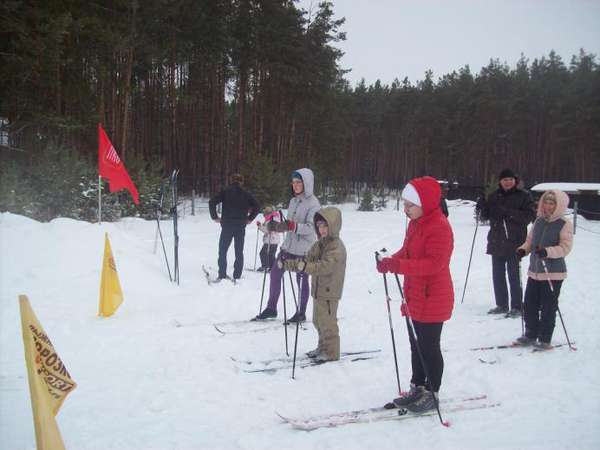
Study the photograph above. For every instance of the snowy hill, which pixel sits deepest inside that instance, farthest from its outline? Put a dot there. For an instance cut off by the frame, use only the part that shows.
(157, 375)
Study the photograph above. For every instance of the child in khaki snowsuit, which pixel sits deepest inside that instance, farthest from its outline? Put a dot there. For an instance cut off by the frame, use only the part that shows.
(326, 263)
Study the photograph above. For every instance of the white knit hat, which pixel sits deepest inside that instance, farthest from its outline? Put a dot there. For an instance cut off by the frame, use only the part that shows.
(410, 194)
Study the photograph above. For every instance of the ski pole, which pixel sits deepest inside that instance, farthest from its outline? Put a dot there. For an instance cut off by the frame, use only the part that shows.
(269, 264)
(163, 246)
(157, 209)
(521, 299)
(387, 302)
(159, 232)
(262, 294)
(155, 241)
(175, 199)
(269, 258)
(470, 258)
(256, 248)
(293, 290)
(297, 328)
(557, 308)
(413, 336)
(287, 352)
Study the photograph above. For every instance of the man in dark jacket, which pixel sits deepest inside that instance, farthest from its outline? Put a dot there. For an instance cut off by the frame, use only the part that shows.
(239, 209)
(509, 210)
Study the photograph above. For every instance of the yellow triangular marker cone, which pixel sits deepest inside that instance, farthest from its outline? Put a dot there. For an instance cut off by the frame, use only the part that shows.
(49, 381)
(111, 295)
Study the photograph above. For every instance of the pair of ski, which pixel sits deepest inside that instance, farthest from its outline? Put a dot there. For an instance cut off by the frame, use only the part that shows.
(250, 326)
(173, 213)
(518, 345)
(214, 280)
(276, 364)
(508, 316)
(369, 415)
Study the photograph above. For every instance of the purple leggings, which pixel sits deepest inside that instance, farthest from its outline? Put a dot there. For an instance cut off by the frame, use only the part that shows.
(277, 274)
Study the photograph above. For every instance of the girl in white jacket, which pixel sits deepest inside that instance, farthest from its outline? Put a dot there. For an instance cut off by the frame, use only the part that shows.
(270, 239)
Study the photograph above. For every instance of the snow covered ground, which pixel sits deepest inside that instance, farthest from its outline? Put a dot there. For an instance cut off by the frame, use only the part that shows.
(157, 375)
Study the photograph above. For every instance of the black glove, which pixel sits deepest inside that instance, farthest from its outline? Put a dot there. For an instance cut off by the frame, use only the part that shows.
(541, 252)
(521, 253)
(482, 211)
(479, 204)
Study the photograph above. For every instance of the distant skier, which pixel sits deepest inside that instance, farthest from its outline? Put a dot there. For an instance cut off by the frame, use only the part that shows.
(549, 241)
(443, 203)
(239, 208)
(300, 235)
(270, 239)
(424, 260)
(326, 263)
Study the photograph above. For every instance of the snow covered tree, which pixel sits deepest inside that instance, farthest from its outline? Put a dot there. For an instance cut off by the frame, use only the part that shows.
(366, 203)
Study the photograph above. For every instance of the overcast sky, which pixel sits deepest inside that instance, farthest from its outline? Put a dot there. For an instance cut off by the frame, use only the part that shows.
(389, 39)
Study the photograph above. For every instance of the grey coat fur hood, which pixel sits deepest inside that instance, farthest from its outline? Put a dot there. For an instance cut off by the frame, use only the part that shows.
(302, 209)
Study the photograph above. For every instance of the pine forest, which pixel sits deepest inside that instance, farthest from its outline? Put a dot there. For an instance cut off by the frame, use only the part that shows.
(212, 87)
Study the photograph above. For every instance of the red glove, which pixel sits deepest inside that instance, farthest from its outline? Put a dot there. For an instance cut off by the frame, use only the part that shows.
(292, 225)
(384, 265)
(258, 223)
(404, 309)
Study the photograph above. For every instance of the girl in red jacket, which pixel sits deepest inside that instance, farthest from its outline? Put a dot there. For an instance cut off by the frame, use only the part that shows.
(424, 260)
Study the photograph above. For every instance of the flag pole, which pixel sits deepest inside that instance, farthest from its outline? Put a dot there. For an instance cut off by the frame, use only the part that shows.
(99, 180)
(99, 200)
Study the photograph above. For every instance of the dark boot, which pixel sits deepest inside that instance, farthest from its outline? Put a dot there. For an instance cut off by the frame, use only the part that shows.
(415, 393)
(297, 317)
(266, 314)
(424, 404)
(498, 310)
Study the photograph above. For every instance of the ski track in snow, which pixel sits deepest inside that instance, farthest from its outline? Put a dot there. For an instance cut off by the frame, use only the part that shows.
(146, 383)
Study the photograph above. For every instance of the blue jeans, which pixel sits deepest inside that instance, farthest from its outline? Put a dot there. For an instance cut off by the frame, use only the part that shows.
(237, 233)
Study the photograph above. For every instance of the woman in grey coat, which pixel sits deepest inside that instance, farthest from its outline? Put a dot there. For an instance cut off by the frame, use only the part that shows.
(300, 236)
(548, 242)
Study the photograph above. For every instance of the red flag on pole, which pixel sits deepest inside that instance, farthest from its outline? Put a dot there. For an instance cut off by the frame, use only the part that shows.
(112, 168)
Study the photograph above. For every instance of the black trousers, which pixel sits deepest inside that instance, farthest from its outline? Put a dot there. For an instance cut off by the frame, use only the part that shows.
(428, 335)
(501, 266)
(237, 233)
(267, 255)
(541, 305)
